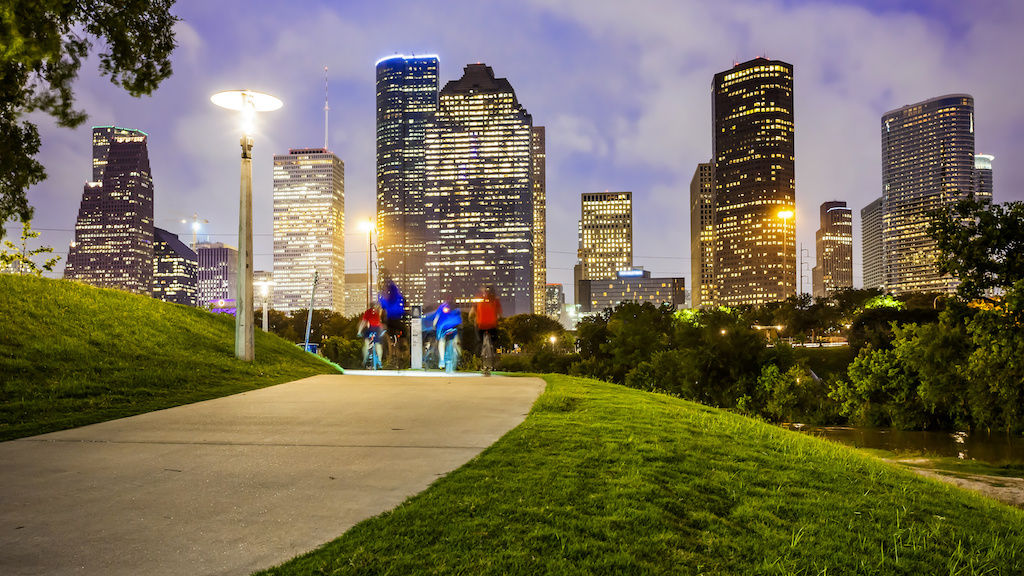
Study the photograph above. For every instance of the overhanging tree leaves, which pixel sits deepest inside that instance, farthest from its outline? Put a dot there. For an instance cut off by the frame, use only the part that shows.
(982, 245)
(42, 45)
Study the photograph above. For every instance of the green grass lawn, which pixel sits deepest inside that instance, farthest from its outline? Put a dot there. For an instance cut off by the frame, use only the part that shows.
(602, 479)
(72, 354)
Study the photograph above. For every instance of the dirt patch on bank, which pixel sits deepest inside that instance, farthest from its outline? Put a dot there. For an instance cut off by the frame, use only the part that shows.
(1006, 490)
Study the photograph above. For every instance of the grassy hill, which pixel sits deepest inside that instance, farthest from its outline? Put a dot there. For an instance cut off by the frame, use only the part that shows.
(72, 354)
(602, 479)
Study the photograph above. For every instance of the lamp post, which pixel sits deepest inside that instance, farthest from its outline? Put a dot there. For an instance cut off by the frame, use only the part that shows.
(785, 215)
(248, 102)
(369, 227)
(264, 295)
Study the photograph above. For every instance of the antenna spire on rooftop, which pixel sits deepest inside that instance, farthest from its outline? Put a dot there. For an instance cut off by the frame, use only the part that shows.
(326, 107)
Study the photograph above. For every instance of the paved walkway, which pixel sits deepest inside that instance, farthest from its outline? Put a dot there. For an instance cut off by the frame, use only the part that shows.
(242, 483)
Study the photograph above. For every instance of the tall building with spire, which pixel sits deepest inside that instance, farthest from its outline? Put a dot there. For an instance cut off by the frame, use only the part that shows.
(833, 269)
(755, 189)
(927, 165)
(540, 259)
(407, 92)
(478, 196)
(309, 229)
(702, 235)
(113, 245)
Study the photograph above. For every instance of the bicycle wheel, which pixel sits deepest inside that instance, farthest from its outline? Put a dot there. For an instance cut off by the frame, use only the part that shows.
(487, 355)
(451, 354)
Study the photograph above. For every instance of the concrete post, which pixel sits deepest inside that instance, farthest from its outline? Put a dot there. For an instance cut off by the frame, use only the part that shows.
(416, 339)
(244, 323)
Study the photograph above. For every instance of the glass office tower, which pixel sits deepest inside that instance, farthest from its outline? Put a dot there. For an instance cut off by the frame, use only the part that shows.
(478, 199)
(755, 190)
(927, 165)
(406, 100)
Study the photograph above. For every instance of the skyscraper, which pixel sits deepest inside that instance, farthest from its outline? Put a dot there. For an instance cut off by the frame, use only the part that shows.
(217, 274)
(406, 100)
(755, 191)
(309, 229)
(554, 301)
(833, 269)
(539, 176)
(606, 234)
(113, 244)
(983, 177)
(702, 235)
(927, 165)
(478, 200)
(871, 244)
(174, 269)
(355, 293)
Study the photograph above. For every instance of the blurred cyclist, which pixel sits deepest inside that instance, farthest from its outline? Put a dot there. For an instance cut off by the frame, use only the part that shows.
(370, 330)
(446, 328)
(487, 312)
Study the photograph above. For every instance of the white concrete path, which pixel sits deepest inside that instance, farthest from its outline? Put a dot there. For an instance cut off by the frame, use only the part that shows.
(237, 484)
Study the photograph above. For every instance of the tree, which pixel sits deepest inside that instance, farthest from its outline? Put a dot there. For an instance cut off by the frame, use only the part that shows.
(531, 331)
(635, 332)
(20, 260)
(981, 244)
(42, 45)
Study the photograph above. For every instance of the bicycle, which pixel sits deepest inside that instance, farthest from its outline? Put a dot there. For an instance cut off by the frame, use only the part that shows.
(430, 352)
(487, 354)
(451, 349)
(373, 357)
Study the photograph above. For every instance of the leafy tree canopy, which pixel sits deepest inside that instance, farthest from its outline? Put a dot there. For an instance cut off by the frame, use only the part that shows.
(981, 244)
(42, 45)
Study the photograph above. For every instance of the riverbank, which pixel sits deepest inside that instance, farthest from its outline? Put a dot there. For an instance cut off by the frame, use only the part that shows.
(603, 479)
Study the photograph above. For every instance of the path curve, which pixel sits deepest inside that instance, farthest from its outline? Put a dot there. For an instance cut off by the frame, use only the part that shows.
(241, 483)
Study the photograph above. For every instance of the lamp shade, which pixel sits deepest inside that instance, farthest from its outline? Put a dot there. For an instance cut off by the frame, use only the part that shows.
(243, 99)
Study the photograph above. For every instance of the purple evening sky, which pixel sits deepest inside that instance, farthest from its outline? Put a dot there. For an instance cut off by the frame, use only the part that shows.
(623, 89)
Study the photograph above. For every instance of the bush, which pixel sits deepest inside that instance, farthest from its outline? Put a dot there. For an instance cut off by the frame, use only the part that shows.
(514, 363)
(345, 352)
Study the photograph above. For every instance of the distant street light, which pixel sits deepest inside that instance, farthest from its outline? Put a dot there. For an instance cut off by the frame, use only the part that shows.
(248, 102)
(265, 296)
(370, 228)
(786, 215)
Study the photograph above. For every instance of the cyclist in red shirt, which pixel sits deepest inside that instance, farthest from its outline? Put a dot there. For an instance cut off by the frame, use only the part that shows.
(370, 330)
(487, 313)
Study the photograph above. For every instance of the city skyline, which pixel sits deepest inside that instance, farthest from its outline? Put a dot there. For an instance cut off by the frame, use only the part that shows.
(627, 133)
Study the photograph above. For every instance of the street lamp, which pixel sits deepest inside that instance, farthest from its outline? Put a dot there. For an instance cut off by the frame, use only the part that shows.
(265, 297)
(785, 215)
(248, 102)
(369, 227)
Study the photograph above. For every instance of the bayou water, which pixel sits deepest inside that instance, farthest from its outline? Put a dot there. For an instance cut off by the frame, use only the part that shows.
(990, 447)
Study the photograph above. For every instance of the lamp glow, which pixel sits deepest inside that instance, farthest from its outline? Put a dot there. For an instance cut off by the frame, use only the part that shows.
(786, 214)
